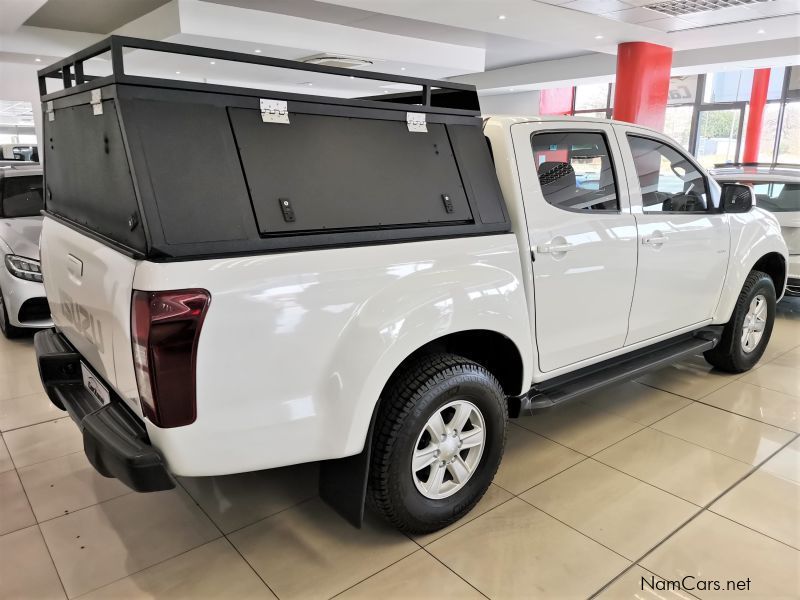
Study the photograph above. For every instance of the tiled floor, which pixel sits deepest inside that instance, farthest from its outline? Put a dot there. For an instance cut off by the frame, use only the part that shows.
(686, 472)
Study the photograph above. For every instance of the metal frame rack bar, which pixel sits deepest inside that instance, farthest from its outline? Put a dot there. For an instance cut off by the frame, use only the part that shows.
(436, 96)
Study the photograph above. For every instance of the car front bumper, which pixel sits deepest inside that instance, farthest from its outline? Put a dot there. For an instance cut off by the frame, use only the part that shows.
(114, 439)
(793, 280)
(25, 301)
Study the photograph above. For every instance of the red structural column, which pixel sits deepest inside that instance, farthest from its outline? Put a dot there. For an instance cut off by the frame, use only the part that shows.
(555, 101)
(642, 83)
(755, 119)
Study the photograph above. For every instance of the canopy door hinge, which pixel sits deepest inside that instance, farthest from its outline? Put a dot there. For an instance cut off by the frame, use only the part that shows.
(274, 111)
(416, 122)
(48, 108)
(97, 102)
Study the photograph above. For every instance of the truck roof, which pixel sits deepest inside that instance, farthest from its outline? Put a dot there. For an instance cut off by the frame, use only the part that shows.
(511, 119)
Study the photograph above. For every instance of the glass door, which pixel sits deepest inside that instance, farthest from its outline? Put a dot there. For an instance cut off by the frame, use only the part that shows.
(719, 135)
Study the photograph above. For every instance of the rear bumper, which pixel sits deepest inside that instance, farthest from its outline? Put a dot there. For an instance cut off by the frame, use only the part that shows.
(114, 439)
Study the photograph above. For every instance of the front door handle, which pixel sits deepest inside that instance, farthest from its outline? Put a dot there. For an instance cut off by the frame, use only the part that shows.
(552, 248)
(657, 239)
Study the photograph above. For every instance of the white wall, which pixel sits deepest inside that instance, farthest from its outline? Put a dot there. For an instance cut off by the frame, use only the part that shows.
(18, 82)
(520, 103)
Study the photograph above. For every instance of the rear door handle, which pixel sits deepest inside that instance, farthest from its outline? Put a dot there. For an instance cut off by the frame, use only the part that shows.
(553, 248)
(655, 240)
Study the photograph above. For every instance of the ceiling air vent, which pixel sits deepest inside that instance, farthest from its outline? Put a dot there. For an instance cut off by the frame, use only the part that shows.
(676, 8)
(337, 60)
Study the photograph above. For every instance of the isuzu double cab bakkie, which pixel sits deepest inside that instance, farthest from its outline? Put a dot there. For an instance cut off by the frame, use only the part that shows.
(244, 279)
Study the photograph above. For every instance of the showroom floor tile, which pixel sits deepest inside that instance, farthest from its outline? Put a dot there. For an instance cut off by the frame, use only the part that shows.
(732, 435)
(214, 570)
(27, 410)
(65, 484)
(590, 499)
(621, 512)
(518, 551)
(761, 404)
(712, 547)
(308, 551)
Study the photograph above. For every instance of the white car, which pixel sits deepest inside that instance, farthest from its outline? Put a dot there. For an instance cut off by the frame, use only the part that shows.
(23, 304)
(777, 189)
(243, 279)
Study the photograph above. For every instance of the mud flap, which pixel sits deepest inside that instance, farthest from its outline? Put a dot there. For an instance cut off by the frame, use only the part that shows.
(343, 482)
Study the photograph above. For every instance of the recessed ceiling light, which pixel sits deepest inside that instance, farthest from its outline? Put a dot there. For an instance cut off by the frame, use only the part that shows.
(510, 89)
(309, 83)
(177, 72)
(501, 17)
(598, 37)
(402, 68)
(761, 31)
(257, 50)
(38, 60)
(352, 76)
(385, 91)
(213, 62)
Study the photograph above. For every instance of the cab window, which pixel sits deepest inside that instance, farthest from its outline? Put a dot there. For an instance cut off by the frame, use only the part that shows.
(575, 170)
(668, 180)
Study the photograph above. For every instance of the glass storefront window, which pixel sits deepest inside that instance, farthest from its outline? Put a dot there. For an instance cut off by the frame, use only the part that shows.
(678, 124)
(769, 129)
(776, 75)
(789, 149)
(717, 136)
(682, 90)
(736, 86)
(794, 81)
(591, 96)
(600, 114)
(727, 86)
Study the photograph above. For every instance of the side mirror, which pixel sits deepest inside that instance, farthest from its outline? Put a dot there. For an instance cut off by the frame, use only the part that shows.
(736, 198)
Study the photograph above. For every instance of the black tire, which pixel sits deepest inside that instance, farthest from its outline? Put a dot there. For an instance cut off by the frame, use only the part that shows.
(424, 386)
(8, 330)
(729, 355)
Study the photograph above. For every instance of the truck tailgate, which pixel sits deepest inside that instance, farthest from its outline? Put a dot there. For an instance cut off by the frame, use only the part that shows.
(89, 288)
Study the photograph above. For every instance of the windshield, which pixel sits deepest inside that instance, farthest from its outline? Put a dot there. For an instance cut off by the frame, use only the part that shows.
(21, 196)
(778, 197)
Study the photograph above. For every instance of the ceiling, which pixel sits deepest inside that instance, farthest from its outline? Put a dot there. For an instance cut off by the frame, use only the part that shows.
(92, 16)
(678, 15)
(426, 38)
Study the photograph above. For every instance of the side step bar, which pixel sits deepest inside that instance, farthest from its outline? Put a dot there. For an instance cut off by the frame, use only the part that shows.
(621, 368)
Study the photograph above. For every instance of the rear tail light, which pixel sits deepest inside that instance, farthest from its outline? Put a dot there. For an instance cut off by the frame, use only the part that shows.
(165, 328)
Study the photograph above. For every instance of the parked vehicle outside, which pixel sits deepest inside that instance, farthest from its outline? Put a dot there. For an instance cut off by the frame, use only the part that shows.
(777, 189)
(23, 304)
(19, 152)
(252, 279)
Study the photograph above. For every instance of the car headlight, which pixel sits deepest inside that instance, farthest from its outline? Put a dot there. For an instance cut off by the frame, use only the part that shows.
(24, 268)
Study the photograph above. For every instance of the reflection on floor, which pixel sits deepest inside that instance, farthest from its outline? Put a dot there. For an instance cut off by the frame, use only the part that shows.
(686, 472)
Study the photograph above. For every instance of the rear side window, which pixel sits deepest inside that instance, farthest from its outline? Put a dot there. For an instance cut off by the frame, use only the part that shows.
(22, 196)
(778, 197)
(575, 170)
(668, 180)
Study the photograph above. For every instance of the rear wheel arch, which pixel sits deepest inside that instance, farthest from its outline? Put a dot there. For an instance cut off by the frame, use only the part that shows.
(343, 482)
(492, 350)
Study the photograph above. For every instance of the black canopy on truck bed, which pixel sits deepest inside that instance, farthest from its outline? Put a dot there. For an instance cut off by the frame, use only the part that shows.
(172, 169)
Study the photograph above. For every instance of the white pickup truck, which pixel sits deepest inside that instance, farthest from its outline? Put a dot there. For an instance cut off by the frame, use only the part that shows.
(243, 279)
